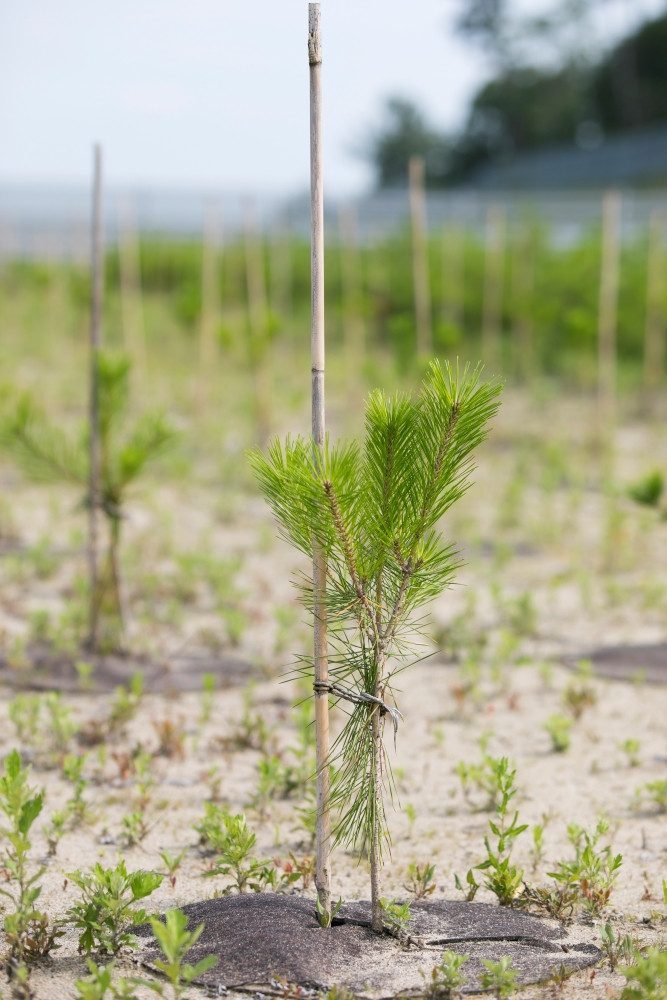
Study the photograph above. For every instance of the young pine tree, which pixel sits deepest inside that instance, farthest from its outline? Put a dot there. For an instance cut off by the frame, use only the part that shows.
(375, 509)
(49, 454)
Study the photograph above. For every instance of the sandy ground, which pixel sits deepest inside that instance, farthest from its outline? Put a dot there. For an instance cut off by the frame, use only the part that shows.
(555, 567)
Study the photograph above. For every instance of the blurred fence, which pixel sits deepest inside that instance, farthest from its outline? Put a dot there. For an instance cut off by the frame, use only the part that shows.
(54, 222)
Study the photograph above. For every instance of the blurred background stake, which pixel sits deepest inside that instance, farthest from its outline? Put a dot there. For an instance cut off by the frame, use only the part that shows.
(654, 333)
(493, 289)
(420, 270)
(210, 301)
(132, 310)
(607, 319)
(258, 322)
(523, 280)
(94, 498)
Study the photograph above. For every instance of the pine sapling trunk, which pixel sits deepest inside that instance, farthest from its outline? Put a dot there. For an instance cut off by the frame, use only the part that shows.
(377, 724)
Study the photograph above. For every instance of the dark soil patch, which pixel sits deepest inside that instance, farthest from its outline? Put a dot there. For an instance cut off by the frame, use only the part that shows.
(260, 937)
(628, 663)
(55, 671)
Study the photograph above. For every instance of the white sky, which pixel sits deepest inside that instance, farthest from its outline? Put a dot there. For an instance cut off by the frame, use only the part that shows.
(214, 93)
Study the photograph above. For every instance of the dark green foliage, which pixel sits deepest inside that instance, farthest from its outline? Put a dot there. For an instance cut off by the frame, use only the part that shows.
(648, 491)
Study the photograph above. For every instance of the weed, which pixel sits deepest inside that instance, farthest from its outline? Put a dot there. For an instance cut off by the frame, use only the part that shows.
(484, 776)
(647, 979)
(27, 929)
(171, 737)
(445, 978)
(421, 880)
(395, 916)
(657, 793)
(233, 843)
(175, 942)
(580, 693)
(172, 864)
(558, 728)
(591, 873)
(648, 491)
(503, 878)
(24, 712)
(471, 883)
(500, 977)
(106, 911)
(208, 692)
(631, 749)
(615, 948)
(98, 983)
(135, 828)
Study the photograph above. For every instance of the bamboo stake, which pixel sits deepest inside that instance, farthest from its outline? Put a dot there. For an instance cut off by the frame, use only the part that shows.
(320, 650)
(210, 305)
(350, 269)
(95, 339)
(420, 257)
(493, 287)
(609, 276)
(523, 280)
(258, 316)
(132, 311)
(453, 276)
(654, 333)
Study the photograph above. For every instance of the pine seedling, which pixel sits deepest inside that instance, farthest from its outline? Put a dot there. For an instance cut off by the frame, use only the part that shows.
(48, 454)
(374, 509)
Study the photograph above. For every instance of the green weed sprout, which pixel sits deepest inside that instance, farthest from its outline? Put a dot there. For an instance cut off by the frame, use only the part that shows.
(26, 928)
(107, 911)
(500, 977)
(175, 942)
(558, 728)
(445, 978)
(591, 872)
(503, 878)
(648, 491)
(98, 983)
(375, 509)
(47, 453)
(648, 978)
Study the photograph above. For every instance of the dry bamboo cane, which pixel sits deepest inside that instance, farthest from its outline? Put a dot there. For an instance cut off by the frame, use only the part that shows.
(493, 287)
(210, 305)
(350, 269)
(134, 337)
(654, 334)
(320, 659)
(453, 276)
(258, 315)
(420, 274)
(609, 277)
(94, 492)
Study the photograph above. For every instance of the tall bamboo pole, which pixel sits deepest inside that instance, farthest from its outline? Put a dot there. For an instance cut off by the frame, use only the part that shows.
(132, 310)
(493, 287)
(654, 333)
(320, 659)
(94, 416)
(351, 287)
(420, 256)
(609, 277)
(210, 303)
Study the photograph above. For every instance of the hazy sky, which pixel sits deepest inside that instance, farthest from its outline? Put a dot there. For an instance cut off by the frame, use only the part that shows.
(214, 93)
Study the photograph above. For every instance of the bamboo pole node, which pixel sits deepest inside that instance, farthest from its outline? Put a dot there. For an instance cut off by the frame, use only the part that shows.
(314, 34)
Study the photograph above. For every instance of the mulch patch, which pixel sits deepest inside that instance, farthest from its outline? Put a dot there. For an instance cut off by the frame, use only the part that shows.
(50, 670)
(260, 937)
(628, 663)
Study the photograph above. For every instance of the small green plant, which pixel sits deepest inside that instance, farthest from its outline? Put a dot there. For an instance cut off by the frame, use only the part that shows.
(326, 917)
(631, 749)
(135, 828)
(395, 916)
(99, 984)
(616, 949)
(647, 979)
(471, 886)
(591, 872)
(107, 909)
(207, 697)
(657, 793)
(502, 877)
(500, 977)
(648, 491)
(446, 977)
(24, 712)
(27, 930)
(233, 842)
(175, 941)
(580, 693)
(172, 863)
(559, 728)
(484, 776)
(421, 880)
